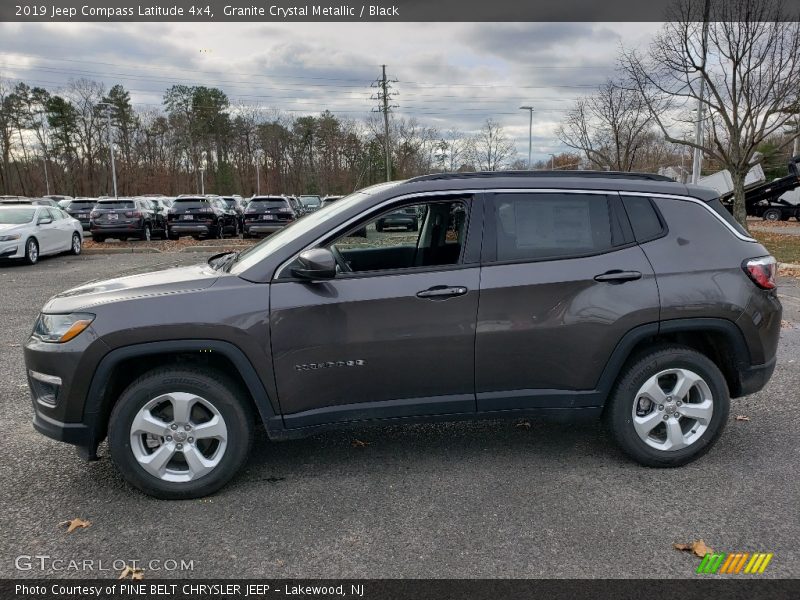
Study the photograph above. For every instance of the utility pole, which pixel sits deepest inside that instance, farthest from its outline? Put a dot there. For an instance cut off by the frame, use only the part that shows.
(552, 162)
(46, 178)
(258, 174)
(202, 169)
(383, 96)
(530, 132)
(108, 108)
(697, 161)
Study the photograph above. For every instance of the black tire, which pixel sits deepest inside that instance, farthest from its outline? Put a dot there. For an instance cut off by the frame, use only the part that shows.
(379, 226)
(772, 214)
(98, 238)
(225, 395)
(76, 247)
(147, 233)
(619, 410)
(414, 225)
(246, 236)
(31, 251)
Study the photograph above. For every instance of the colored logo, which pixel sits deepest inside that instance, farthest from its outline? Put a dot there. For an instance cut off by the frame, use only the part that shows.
(734, 563)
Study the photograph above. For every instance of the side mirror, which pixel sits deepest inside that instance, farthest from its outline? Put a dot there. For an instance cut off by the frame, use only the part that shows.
(44, 221)
(317, 263)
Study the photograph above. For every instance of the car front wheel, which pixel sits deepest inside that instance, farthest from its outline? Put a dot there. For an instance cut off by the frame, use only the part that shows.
(180, 433)
(668, 407)
(75, 247)
(31, 251)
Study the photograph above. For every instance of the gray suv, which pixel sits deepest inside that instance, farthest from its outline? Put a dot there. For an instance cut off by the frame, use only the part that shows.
(622, 296)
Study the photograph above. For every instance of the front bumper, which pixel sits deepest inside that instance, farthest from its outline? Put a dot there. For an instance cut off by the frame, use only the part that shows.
(12, 249)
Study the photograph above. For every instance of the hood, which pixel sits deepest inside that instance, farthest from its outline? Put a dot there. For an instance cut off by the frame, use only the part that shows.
(130, 287)
(11, 226)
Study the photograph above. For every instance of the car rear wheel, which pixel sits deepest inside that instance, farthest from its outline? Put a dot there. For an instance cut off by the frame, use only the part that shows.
(668, 407)
(31, 251)
(75, 247)
(378, 226)
(772, 214)
(147, 233)
(180, 433)
(98, 238)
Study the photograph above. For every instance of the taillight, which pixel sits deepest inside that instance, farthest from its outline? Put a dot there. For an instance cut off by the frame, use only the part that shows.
(762, 271)
(133, 213)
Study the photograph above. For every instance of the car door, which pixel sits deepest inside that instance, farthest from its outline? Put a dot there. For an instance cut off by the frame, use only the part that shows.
(47, 232)
(63, 227)
(562, 283)
(393, 337)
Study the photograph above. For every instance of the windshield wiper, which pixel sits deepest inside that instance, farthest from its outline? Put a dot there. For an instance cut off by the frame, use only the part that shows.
(219, 261)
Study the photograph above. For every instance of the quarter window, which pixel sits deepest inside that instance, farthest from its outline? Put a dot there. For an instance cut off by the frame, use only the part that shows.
(551, 225)
(643, 217)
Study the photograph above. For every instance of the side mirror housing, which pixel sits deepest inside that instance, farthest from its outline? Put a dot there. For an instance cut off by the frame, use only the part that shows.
(45, 221)
(315, 264)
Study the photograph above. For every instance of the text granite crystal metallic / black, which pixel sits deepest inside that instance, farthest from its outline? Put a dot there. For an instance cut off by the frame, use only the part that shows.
(617, 296)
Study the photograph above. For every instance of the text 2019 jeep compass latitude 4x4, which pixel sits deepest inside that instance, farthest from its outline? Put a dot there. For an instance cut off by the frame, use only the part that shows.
(590, 294)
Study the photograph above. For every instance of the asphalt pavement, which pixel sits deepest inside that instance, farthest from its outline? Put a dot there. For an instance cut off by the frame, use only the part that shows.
(486, 499)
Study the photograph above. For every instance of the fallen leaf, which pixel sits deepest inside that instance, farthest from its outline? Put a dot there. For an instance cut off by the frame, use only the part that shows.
(74, 524)
(14, 345)
(742, 418)
(523, 425)
(359, 444)
(131, 573)
(697, 547)
(785, 324)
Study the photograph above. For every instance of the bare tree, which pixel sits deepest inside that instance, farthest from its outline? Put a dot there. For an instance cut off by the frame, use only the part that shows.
(611, 128)
(491, 147)
(745, 55)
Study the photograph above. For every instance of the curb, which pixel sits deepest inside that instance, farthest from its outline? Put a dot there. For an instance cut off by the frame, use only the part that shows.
(120, 251)
(788, 266)
(212, 248)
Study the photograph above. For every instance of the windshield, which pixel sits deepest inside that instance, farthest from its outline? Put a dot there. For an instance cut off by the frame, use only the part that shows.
(16, 216)
(115, 204)
(257, 253)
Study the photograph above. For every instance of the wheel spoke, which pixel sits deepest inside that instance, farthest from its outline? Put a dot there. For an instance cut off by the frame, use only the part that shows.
(675, 439)
(644, 425)
(145, 422)
(197, 463)
(156, 463)
(182, 406)
(686, 381)
(652, 390)
(701, 411)
(214, 428)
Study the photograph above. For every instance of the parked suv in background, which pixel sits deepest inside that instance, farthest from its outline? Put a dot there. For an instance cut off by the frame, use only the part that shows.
(200, 216)
(267, 214)
(125, 218)
(621, 296)
(81, 209)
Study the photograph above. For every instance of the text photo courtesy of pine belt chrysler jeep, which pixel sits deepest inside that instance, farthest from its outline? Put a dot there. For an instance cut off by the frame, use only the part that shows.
(624, 297)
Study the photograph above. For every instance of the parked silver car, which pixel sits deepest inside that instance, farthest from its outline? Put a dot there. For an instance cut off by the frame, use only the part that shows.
(30, 231)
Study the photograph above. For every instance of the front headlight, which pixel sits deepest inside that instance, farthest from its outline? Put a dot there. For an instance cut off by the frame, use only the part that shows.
(8, 238)
(61, 328)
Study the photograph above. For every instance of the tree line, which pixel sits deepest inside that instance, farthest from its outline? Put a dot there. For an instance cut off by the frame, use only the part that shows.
(196, 139)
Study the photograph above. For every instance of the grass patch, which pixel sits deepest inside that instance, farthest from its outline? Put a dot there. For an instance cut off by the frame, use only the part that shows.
(786, 248)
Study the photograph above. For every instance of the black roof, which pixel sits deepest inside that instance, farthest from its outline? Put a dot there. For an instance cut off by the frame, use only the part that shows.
(549, 174)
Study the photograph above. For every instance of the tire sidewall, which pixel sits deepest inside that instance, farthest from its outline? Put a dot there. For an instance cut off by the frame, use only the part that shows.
(237, 420)
(624, 396)
(72, 245)
(28, 259)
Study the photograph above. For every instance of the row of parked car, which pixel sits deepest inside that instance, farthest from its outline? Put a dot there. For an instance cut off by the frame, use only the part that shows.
(200, 216)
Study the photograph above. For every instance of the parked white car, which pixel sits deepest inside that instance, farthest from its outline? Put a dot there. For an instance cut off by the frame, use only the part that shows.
(30, 231)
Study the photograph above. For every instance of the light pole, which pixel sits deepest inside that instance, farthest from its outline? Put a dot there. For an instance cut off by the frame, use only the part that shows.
(258, 174)
(107, 106)
(530, 132)
(552, 162)
(202, 169)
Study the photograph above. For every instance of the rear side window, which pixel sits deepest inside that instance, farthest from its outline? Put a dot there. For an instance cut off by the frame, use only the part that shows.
(267, 204)
(541, 226)
(190, 203)
(114, 205)
(644, 218)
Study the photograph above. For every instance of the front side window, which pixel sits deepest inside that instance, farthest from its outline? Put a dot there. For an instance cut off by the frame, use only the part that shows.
(417, 235)
(535, 226)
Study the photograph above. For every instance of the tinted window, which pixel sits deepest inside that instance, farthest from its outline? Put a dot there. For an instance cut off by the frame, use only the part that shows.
(115, 204)
(266, 204)
(82, 204)
(537, 226)
(190, 203)
(643, 217)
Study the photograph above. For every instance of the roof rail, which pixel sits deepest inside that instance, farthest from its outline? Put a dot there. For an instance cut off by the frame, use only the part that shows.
(537, 174)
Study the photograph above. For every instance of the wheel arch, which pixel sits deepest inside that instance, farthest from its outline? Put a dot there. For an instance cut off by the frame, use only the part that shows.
(121, 366)
(719, 339)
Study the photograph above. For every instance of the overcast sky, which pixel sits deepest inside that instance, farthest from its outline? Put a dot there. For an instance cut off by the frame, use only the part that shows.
(449, 75)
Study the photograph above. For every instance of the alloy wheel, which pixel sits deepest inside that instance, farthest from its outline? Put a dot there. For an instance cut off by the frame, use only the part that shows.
(672, 409)
(178, 437)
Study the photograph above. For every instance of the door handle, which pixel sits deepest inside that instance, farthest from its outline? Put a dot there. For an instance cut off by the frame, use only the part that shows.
(618, 276)
(442, 292)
